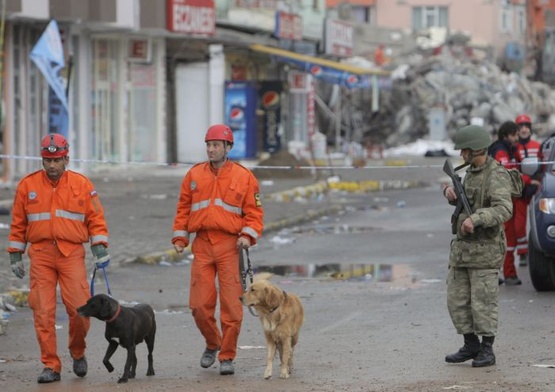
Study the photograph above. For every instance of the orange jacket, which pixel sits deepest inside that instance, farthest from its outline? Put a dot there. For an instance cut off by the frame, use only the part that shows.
(228, 202)
(69, 213)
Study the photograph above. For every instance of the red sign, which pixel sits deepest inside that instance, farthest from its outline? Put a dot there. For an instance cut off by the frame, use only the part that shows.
(138, 50)
(298, 81)
(289, 26)
(192, 16)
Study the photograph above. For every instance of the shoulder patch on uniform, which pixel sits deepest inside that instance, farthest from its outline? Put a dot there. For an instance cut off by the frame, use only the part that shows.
(257, 201)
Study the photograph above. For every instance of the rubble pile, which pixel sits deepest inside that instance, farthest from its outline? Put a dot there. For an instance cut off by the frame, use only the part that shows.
(466, 88)
(289, 163)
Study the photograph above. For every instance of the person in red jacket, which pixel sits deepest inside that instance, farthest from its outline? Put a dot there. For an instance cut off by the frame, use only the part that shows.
(55, 211)
(504, 151)
(526, 148)
(220, 202)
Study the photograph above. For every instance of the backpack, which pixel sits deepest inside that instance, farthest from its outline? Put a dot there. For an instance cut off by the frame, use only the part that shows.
(517, 183)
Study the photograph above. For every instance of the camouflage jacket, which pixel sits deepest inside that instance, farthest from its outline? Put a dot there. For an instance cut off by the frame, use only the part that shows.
(488, 189)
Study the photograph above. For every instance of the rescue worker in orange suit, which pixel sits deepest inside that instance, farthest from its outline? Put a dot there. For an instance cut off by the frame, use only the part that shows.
(526, 148)
(504, 151)
(379, 55)
(220, 202)
(55, 211)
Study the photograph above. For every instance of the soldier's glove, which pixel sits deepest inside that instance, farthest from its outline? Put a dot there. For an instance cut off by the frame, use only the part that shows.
(16, 262)
(102, 257)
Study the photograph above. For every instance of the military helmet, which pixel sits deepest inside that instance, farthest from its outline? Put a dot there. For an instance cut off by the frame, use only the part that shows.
(473, 137)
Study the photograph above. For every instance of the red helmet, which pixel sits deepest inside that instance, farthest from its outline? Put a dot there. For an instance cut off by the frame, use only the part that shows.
(523, 119)
(54, 145)
(219, 132)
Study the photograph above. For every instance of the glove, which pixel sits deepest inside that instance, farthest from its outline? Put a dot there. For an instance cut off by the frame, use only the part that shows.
(180, 244)
(102, 257)
(17, 264)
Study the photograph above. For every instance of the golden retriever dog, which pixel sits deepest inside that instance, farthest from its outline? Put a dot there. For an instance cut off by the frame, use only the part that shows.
(281, 315)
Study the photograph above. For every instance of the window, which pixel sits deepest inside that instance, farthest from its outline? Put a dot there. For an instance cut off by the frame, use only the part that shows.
(360, 14)
(424, 17)
(506, 18)
(521, 21)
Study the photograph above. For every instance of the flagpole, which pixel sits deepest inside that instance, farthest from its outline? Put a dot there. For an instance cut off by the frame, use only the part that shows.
(5, 162)
(69, 61)
(69, 69)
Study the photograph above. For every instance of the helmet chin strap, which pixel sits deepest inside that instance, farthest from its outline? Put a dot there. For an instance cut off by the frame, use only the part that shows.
(476, 153)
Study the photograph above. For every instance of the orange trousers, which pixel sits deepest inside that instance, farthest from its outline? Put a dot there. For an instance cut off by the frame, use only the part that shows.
(48, 268)
(521, 220)
(217, 255)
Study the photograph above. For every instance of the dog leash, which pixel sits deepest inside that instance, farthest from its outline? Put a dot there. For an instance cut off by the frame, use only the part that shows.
(244, 272)
(103, 268)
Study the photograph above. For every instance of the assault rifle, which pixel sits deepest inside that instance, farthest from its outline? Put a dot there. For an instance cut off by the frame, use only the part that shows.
(462, 200)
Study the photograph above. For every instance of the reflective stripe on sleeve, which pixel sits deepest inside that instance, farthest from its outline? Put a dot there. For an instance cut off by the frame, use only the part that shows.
(99, 238)
(18, 245)
(180, 233)
(250, 231)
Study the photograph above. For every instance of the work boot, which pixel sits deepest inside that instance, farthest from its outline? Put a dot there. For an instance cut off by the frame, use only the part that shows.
(48, 375)
(470, 350)
(80, 367)
(523, 260)
(226, 367)
(513, 281)
(208, 358)
(485, 357)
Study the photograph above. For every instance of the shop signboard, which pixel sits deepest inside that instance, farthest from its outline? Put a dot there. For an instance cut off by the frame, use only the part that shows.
(196, 17)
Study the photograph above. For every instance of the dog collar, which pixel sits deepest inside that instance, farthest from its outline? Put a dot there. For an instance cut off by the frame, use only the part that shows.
(274, 309)
(115, 316)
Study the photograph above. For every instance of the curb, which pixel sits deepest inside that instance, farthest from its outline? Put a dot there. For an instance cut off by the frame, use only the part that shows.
(300, 191)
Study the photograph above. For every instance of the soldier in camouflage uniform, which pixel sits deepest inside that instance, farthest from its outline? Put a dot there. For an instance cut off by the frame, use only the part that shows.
(478, 248)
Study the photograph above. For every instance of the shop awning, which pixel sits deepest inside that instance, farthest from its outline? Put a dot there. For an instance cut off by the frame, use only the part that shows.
(331, 71)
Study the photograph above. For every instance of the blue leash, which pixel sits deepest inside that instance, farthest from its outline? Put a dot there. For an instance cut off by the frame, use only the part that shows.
(103, 268)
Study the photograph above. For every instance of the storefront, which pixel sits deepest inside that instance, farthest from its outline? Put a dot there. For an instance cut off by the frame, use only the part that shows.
(127, 99)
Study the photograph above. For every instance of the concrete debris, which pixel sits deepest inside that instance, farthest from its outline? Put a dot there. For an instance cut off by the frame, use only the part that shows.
(466, 88)
(469, 91)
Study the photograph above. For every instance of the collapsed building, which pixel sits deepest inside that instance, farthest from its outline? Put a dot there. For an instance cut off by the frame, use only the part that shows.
(462, 85)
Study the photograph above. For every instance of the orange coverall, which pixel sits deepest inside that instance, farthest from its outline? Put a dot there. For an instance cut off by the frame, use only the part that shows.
(55, 220)
(219, 206)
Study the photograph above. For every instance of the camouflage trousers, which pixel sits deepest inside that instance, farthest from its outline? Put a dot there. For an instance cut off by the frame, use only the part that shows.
(473, 300)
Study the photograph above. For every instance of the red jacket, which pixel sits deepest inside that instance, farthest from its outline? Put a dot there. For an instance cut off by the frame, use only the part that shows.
(227, 202)
(504, 153)
(69, 213)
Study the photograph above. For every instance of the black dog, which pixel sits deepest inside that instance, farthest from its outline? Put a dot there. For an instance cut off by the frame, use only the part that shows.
(128, 325)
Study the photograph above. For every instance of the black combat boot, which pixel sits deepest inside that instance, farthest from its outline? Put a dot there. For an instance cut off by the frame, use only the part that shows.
(485, 357)
(470, 349)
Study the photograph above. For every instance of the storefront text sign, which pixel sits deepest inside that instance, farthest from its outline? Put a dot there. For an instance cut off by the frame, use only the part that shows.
(289, 26)
(339, 38)
(196, 17)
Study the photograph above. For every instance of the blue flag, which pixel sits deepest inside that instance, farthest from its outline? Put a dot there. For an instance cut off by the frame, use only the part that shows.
(48, 56)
